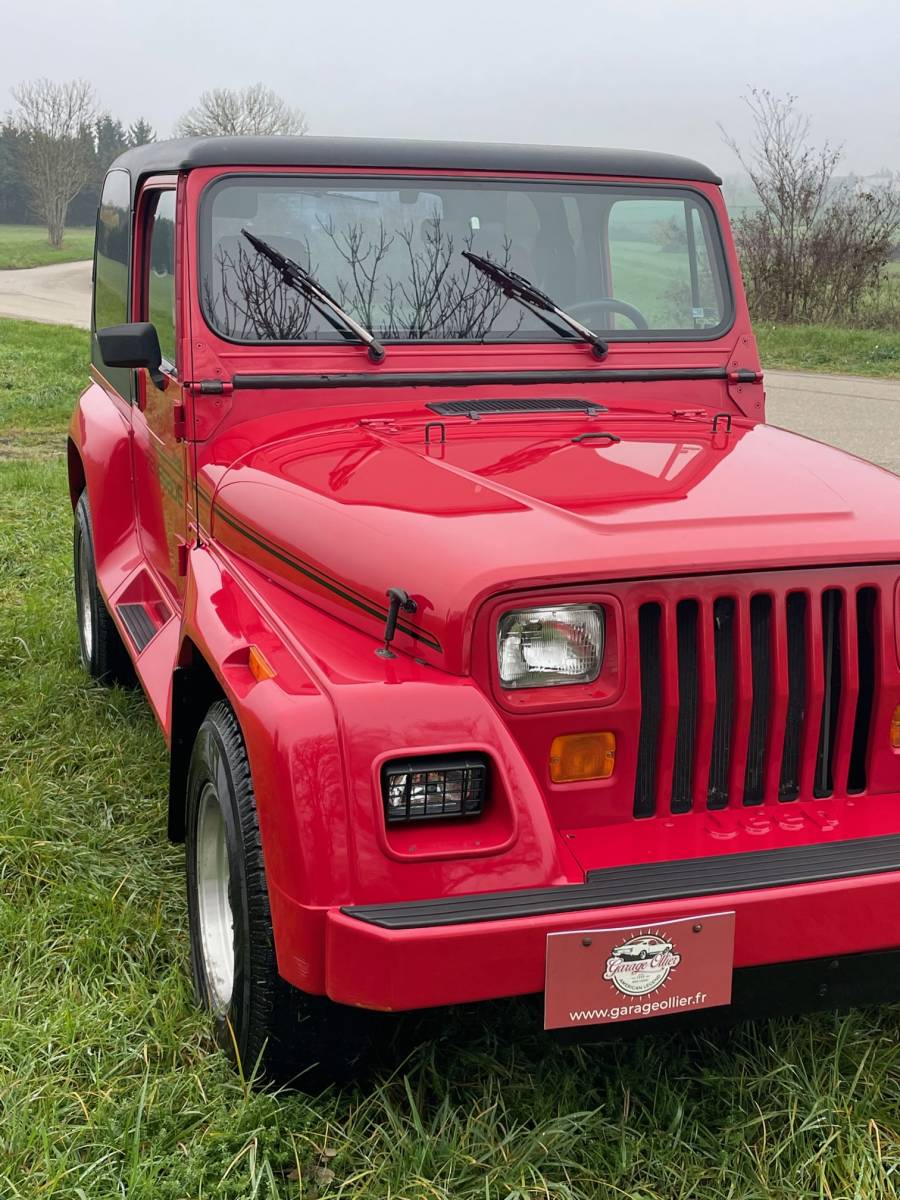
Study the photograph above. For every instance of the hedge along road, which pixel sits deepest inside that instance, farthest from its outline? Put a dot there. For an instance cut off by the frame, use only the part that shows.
(857, 414)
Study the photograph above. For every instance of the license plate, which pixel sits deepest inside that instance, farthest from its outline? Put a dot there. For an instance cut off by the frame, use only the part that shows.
(602, 976)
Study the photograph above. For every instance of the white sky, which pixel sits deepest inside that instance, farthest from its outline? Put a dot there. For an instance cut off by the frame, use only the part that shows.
(650, 74)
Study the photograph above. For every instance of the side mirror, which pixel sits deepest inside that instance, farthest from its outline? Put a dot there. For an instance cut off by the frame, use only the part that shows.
(133, 345)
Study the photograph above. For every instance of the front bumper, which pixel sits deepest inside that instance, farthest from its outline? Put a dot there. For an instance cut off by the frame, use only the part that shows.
(822, 901)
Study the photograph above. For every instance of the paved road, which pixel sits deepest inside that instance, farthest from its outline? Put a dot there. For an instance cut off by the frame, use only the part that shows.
(59, 294)
(859, 415)
(856, 414)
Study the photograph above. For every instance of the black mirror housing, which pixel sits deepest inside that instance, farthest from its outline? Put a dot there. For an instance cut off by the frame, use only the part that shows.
(133, 345)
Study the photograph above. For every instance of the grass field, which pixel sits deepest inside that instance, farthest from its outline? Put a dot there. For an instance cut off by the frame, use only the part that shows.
(27, 246)
(828, 348)
(110, 1086)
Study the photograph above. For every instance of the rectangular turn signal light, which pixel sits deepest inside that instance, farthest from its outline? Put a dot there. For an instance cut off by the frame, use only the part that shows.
(576, 756)
(895, 728)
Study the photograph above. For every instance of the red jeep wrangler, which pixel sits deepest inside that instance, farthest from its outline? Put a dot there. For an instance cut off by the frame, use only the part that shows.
(500, 645)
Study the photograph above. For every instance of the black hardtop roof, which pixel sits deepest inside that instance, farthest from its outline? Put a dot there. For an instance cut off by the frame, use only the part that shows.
(184, 154)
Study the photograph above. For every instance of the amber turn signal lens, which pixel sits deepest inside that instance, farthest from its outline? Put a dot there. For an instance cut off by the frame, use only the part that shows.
(259, 667)
(895, 728)
(582, 756)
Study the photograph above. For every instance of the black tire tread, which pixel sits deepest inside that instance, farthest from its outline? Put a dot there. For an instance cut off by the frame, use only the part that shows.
(287, 1036)
(109, 662)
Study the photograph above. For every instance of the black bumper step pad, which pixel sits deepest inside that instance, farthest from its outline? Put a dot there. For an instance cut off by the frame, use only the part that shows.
(646, 883)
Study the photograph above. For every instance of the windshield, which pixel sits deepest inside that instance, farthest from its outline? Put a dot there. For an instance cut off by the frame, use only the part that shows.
(630, 262)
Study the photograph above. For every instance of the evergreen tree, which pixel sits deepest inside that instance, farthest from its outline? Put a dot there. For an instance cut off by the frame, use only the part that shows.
(15, 205)
(110, 139)
(140, 133)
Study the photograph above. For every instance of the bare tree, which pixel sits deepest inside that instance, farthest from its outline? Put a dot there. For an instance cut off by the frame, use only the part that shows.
(251, 301)
(54, 121)
(225, 111)
(431, 298)
(815, 249)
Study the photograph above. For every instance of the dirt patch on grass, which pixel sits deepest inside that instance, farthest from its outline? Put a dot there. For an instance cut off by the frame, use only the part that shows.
(39, 446)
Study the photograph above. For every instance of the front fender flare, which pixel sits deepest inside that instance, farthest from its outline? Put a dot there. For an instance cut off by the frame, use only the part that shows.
(290, 732)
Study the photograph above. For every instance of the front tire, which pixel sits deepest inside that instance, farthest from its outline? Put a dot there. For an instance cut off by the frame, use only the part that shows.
(103, 652)
(276, 1033)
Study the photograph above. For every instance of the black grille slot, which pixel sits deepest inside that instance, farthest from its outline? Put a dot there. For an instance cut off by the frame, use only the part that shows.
(832, 608)
(651, 710)
(686, 617)
(723, 641)
(789, 783)
(461, 408)
(761, 664)
(866, 611)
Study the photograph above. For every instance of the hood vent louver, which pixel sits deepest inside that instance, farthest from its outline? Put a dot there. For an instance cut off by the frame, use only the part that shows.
(465, 408)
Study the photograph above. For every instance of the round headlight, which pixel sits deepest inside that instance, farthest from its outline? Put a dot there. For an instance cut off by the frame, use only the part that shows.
(542, 647)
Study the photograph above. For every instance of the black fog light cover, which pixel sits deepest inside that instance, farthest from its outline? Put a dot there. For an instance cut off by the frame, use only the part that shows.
(424, 789)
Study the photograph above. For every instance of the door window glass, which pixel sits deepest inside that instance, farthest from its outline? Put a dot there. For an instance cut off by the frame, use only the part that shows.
(160, 274)
(111, 271)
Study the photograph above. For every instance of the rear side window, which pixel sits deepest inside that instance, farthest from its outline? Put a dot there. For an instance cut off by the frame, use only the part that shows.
(160, 275)
(111, 270)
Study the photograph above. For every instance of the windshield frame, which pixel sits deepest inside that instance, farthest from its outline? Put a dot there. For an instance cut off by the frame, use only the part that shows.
(680, 190)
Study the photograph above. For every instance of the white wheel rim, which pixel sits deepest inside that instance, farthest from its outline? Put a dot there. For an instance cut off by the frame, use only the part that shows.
(85, 616)
(213, 905)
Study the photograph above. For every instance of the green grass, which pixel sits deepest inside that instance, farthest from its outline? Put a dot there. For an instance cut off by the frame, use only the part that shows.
(110, 1086)
(829, 348)
(27, 246)
(42, 371)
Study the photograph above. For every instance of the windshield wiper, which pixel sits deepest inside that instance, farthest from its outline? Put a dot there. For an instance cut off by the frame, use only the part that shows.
(517, 287)
(301, 281)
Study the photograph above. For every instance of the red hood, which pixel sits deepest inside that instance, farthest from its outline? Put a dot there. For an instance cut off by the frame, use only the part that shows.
(505, 504)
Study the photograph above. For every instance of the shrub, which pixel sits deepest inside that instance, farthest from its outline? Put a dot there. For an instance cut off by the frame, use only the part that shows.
(814, 251)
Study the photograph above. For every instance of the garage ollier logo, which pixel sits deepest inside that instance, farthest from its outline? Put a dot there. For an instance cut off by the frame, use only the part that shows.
(642, 964)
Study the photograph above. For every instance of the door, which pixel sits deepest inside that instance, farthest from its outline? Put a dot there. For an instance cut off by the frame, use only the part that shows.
(160, 452)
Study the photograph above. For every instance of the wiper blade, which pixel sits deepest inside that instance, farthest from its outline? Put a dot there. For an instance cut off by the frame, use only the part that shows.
(517, 287)
(301, 281)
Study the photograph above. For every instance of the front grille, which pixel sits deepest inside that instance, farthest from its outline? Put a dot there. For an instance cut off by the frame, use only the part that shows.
(832, 680)
(723, 641)
(770, 696)
(651, 711)
(761, 661)
(795, 622)
(688, 682)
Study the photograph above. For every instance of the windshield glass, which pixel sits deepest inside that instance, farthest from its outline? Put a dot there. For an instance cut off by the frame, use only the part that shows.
(633, 262)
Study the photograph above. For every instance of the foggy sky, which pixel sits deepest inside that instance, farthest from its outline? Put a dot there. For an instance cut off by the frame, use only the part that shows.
(650, 75)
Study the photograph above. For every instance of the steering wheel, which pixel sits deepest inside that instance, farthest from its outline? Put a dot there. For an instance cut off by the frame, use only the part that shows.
(584, 308)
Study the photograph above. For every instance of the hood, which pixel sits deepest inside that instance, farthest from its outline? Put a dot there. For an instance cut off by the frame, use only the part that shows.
(462, 510)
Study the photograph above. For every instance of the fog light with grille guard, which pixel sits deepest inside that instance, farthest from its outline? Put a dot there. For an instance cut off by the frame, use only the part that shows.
(422, 789)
